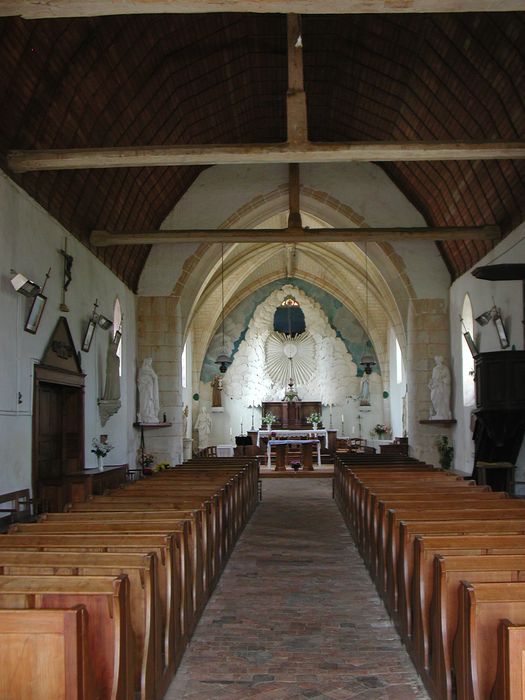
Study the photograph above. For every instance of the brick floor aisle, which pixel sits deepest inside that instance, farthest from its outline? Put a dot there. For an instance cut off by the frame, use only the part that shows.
(295, 614)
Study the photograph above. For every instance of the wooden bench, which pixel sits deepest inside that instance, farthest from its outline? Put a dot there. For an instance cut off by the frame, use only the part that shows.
(44, 654)
(375, 529)
(510, 679)
(485, 510)
(414, 602)
(173, 610)
(109, 636)
(481, 608)
(194, 578)
(145, 607)
(16, 506)
(449, 571)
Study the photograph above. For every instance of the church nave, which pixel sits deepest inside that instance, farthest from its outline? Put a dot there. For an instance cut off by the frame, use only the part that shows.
(295, 614)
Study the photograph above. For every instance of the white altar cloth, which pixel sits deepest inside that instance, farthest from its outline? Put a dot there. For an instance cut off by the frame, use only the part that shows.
(302, 432)
(225, 451)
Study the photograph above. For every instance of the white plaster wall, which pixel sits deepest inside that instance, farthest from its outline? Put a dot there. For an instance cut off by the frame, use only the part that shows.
(508, 297)
(30, 240)
(220, 191)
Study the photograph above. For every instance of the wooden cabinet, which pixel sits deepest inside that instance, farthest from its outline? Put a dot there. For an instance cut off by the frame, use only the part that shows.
(500, 380)
(500, 414)
(79, 486)
(291, 414)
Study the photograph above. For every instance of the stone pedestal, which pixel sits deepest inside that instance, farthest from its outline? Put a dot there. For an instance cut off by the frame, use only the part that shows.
(187, 449)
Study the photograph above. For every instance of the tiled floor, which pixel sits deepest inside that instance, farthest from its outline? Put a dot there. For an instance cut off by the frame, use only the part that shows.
(295, 614)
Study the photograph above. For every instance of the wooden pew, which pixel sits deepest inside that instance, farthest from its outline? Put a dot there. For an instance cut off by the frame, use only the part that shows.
(44, 654)
(449, 571)
(375, 534)
(192, 585)
(481, 608)
(141, 570)
(169, 563)
(485, 510)
(109, 637)
(510, 679)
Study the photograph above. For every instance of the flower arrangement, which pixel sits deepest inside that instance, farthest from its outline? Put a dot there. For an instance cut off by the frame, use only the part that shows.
(314, 418)
(269, 418)
(161, 466)
(147, 460)
(380, 430)
(100, 449)
(295, 464)
(445, 450)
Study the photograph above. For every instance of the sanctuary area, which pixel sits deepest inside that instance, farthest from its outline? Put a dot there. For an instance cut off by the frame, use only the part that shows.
(252, 247)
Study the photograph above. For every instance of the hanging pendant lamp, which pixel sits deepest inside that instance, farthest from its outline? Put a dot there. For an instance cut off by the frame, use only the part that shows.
(367, 359)
(223, 359)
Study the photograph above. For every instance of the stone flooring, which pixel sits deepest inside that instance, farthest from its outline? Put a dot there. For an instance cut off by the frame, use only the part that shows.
(295, 614)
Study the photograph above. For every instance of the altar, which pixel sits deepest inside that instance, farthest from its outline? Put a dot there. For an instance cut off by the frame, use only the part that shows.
(281, 453)
(291, 414)
(290, 434)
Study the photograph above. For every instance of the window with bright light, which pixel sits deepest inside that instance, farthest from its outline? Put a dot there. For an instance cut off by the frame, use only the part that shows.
(183, 366)
(117, 328)
(469, 395)
(399, 363)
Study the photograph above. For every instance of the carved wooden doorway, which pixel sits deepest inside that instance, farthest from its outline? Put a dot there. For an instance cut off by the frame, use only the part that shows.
(58, 419)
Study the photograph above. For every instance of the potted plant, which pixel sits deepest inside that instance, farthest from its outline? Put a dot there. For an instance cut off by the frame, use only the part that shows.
(445, 450)
(268, 419)
(314, 418)
(295, 464)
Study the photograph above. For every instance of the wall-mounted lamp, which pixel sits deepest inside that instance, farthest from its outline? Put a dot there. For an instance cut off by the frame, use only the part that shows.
(24, 285)
(104, 322)
(494, 315)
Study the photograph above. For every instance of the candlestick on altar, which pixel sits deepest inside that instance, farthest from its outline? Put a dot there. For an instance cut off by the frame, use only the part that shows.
(241, 429)
(331, 422)
(253, 409)
(342, 425)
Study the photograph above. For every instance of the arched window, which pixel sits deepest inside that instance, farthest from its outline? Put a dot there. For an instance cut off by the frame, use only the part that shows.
(117, 332)
(467, 317)
(399, 363)
(183, 366)
(289, 318)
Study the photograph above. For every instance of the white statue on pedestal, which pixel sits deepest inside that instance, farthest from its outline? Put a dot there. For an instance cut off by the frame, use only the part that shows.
(439, 387)
(203, 426)
(148, 385)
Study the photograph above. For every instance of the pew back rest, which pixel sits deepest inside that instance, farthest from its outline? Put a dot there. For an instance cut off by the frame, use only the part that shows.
(481, 608)
(44, 654)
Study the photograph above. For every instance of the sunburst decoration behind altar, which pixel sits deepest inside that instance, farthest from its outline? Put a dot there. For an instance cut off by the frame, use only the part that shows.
(290, 357)
(323, 368)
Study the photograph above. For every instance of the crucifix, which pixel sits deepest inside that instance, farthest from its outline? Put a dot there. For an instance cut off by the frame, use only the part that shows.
(68, 264)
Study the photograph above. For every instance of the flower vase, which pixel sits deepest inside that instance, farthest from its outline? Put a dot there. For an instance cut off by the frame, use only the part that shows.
(314, 426)
(100, 463)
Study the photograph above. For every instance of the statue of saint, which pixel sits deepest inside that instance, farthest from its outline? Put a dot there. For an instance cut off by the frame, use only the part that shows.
(185, 414)
(364, 396)
(112, 385)
(203, 426)
(148, 385)
(216, 385)
(439, 387)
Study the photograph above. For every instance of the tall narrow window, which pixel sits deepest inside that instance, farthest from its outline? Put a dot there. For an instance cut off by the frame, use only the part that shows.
(466, 355)
(183, 366)
(117, 332)
(399, 364)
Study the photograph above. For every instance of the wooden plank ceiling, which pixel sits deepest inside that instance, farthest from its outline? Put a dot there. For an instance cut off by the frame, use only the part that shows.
(222, 78)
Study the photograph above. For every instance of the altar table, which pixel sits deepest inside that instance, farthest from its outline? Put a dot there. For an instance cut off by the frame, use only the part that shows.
(303, 432)
(306, 453)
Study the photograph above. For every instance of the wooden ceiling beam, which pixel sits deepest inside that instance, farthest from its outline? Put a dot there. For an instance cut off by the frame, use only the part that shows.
(307, 152)
(46, 9)
(102, 239)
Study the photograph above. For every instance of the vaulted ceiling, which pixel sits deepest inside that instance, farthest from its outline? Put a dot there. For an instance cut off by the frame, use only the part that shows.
(222, 78)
